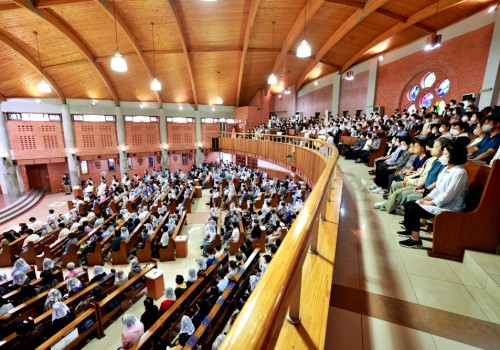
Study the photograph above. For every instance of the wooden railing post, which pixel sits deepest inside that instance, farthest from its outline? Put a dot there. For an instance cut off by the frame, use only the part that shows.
(294, 309)
(313, 248)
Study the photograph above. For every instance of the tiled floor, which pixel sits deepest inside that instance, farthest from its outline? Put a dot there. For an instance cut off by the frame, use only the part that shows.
(389, 297)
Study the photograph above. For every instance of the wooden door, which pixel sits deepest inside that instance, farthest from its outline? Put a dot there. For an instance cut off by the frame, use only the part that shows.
(38, 176)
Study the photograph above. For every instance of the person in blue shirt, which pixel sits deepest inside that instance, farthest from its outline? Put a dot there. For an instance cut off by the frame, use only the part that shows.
(486, 149)
(223, 281)
(401, 130)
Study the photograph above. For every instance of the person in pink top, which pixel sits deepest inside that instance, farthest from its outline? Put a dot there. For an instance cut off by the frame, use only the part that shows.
(133, 329)
(72, 271)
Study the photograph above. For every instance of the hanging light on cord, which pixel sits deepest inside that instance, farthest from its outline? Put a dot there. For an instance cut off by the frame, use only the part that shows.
(42, 86)
(434, 40)
(155, 83)
(304, 49)
(218, 100)
(118, 63)
(272, 80)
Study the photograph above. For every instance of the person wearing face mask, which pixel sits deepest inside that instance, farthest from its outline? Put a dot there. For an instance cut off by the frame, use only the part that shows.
(401, 130)
(486, 149)
(444, 130)
(474, 120)
(448, 195)
(414, 186)
(479, 135)
(460, 136)
(435, 134)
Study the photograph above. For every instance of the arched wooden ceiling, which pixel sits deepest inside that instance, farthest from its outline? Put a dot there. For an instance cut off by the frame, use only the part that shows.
(195, 39)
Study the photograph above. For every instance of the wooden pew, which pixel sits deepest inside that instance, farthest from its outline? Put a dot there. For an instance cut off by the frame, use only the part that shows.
(234, 247)
(168, 253)
(101, 249)
(72, 256)
(217, 240)
(187, 207)
(261, 242)
(125, 294)
(35, 248)
(169, 319)
(52, 251)
(377, 154)
(146, 253)
(14, 294)
(10, 250)
(219, 315)
(477, 230)
(121, 256)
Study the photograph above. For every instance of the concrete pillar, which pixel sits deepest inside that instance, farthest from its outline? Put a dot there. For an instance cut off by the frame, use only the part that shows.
(70, 149)
(372, 85)
(490, 91)
(336, 94)
(122, 141)
(8, 171)
(198, 138)
(163, 139)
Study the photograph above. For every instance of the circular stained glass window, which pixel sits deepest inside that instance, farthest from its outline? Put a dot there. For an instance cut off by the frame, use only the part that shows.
(412, 109)
(427, 100)
(413, 92)
(429, 80)
(443, 88)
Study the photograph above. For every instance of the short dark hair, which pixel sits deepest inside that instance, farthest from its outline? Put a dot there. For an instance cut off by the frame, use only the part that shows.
(458, 153)
(179, 279)
(462, 125)
(494, 117)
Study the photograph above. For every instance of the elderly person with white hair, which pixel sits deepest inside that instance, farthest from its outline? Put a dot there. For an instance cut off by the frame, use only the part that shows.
(133, 329)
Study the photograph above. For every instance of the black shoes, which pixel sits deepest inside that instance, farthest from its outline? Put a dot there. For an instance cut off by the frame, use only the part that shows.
(404, 233)
(410, 243)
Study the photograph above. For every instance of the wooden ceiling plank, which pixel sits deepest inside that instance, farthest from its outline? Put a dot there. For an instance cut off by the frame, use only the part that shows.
(392, 15)
(7, 7)
(424, 27)
(349, 3)
(178, 28)
(248, 32)
(356, 18)
(54, 3)
(2, 98)
(108, 7)
(334, 66)
(7, 41)
(398, 28)
(58, 23)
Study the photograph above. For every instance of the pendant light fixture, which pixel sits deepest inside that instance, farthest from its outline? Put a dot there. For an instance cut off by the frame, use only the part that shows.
(42, 86)
(434, 40)
(118, 63)
(349, 75)
(155, 83)
(218, 100)
(272, 80)
(304, 49)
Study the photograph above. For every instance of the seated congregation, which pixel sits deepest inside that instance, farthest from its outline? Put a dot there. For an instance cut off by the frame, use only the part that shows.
(49, 296)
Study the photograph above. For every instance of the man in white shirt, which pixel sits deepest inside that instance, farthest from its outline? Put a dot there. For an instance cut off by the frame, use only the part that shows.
(223, 281)
(32, 237)
(35, 224)
(52, 219)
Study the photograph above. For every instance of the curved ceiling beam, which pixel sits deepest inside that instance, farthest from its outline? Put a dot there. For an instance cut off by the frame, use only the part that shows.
(178, 28)
(2, 98)
(7, 41)
(248, 32)
(356, 18)
(63, 28)
(312, 6)
(108, 8)
(412, 20)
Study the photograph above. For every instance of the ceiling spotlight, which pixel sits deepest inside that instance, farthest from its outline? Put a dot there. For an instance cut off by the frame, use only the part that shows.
(92, 103)
(141, 106)
(381, 57)
(38, 101)
(44, 87)
(287, 92)
(272, 80)
(155, 85)
(218, 100)
(213, 109)
(316, 82)
(493, 8)
(118, 63)
(304, 49)
(349, 75)
(433, 42)
(181, 108)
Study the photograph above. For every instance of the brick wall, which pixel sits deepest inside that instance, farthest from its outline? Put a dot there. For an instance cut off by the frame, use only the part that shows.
(175, 161)
(181, 136)
(55, 172)
(462, 60)
(32, 140)
(263, 103)
(93, 138)
(142, 137)
(208, 131)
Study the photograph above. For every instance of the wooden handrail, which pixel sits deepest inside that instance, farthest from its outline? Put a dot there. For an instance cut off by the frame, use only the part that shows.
(277, 295)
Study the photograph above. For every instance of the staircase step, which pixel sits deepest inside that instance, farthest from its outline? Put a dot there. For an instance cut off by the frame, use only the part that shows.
(31, 200)
(19, 205)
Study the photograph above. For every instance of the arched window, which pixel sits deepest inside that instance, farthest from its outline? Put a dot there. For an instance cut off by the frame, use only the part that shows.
(428, 93)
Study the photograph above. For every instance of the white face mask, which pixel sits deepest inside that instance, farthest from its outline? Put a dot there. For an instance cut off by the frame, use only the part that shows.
(404, 147)
(465, 119)
(473, 119)
(396, 144)
(454, 132)
(441, 129)
(487, 128)
(444, 160)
